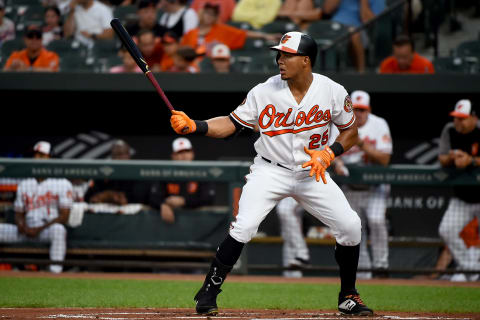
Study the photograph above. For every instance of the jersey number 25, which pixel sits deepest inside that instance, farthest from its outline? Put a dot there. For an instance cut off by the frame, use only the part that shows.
(315, 139)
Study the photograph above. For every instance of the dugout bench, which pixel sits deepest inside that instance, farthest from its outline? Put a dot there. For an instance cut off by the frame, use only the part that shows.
(145, 242)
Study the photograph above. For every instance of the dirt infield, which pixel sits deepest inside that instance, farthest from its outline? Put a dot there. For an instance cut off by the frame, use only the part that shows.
(129, 314)
(171, 313)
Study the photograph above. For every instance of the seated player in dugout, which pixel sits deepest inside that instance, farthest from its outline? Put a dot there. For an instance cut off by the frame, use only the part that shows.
(295, 112)
(42, 208)
(118, 192)
(167, 196)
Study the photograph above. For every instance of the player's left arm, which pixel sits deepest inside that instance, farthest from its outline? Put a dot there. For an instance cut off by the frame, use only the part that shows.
(347, 138)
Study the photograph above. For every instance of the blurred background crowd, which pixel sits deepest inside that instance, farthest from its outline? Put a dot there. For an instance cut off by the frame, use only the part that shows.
(385, 36)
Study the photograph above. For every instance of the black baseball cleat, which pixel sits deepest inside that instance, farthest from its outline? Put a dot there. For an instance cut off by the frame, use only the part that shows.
(206, 300)
(351, 304)
(298, 264)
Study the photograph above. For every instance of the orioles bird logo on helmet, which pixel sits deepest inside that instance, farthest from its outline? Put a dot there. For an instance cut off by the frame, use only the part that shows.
(285, 38)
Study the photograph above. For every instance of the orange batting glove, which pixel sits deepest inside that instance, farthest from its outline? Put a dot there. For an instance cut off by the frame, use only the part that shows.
(181, 123)
(320, 162)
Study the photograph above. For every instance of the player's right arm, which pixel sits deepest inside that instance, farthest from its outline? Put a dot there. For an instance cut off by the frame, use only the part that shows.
(219, 127)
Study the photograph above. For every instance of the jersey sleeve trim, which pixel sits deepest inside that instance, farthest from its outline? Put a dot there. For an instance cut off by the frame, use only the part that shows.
(243, 123)
(346, 125)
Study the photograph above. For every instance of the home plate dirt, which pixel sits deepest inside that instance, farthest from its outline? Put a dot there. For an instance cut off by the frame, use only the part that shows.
(130, 314)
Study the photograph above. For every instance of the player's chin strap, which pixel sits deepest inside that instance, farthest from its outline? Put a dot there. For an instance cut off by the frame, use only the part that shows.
(337, 148)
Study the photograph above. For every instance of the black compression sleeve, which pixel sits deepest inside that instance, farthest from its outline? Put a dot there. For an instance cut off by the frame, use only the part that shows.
(237, 125)
(202, 127)
(337, 148)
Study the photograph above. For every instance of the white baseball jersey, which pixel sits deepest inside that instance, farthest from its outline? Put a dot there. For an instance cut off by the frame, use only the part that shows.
(42, 200)
(375, 132)
(287, 126)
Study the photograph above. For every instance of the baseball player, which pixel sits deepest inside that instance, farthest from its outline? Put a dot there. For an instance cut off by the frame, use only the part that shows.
(294, 111)
(374, 146)
(42, 207)
(459, 148)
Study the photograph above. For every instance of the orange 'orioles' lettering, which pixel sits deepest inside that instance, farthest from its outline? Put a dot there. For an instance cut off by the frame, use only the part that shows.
(270, 116)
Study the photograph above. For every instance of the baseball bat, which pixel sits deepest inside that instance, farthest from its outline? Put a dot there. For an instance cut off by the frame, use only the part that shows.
(137, 56)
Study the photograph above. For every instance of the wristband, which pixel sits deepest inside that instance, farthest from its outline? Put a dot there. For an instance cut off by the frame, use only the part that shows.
(202, 127)
(337, 148)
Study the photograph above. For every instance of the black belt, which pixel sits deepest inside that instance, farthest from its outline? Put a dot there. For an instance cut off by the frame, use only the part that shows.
(278, 164)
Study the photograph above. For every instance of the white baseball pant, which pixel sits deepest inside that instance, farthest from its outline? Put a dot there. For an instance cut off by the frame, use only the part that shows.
(371, 206)
(268, 183)
(294, 245)
(458, 214)
(56, 234)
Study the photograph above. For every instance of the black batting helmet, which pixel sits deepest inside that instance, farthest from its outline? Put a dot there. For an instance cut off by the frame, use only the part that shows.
(298, 43)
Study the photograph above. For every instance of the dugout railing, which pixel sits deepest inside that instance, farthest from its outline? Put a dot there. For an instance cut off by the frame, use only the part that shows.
(230, 174)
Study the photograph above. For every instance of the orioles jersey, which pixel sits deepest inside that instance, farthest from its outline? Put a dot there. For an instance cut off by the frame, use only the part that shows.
(374, 132)
(286, 126)
(41, 201)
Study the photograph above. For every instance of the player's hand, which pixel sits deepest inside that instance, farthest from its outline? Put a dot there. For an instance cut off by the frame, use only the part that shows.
(32, 232)
(462, 159)
(167, 213)
(175, 201)
(181, 123)
(320, 162)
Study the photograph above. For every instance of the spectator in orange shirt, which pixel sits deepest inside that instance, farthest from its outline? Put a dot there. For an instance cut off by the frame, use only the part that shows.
(226, 7)
(405, 59)
(34, 57)
(150, 48)
(170, 45)
(184, 60)
(211, 31)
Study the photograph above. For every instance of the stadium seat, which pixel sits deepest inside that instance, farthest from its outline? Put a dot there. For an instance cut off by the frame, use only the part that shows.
(105, 48)
(33, 15)
(469, 49)
(106, 63)
(74, 63)
(280, 26)
(240, 25)
(126, 14)
(26, 2)
(264, 63)
(254, 45)
(8, 47)
(456, 65)
(325, 32)
(67, 46)
(11, 13)
(206, 66)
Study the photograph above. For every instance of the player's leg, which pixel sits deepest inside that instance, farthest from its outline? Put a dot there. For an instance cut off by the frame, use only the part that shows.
(328, 204)
(454, 220)
(56, 234)
(457, 215)
(266, 185)
(9, 233)
(295, 250)
(376, 210)
(357, 200)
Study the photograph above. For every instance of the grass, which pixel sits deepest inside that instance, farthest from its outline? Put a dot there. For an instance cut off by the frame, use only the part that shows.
(64, 292)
